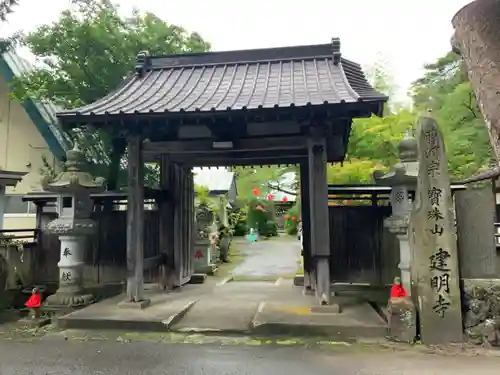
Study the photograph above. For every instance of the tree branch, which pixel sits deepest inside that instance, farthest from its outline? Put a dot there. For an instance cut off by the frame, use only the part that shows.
(273, 187)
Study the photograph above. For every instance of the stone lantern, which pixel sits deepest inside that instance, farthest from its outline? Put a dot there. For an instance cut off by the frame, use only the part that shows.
(402, 178)
(203, 252)
(73, 226)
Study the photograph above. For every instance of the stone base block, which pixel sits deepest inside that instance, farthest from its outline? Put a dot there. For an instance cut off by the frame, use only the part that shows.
(334, 308)
(298, 281)
(198, 278)
(134, 305)
(402, 320)
(209, 269)
(64, 300)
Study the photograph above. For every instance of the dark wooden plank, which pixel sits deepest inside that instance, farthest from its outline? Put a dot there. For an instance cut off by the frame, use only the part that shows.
(207, 146)
(135, 221)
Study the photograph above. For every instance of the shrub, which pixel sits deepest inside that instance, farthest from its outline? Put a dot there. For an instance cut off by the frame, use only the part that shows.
(261, 217)
(238, 222)
(291, 226)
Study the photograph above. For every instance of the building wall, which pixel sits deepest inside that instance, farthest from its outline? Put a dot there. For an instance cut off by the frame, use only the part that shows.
(22, 149)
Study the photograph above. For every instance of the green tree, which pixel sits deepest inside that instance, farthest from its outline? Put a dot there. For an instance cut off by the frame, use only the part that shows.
(445, 89)
(86, 53)
(264, 178)
(6, 8)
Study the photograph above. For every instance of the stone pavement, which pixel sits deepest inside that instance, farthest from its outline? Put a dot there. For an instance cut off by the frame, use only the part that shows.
(274, 257)
(239, 307)
(63, 355)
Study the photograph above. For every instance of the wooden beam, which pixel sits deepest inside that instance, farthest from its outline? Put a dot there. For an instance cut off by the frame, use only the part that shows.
(135, 222)
(240, 158)
(213, 162)
(207, 145)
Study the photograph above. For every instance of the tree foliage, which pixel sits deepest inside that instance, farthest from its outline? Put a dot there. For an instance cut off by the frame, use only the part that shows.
(6, 8)
(87, 53)
(443, 88)
(446, 90)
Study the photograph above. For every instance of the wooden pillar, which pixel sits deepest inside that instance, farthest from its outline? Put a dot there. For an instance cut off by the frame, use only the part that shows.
(309, 276)
(165, 217)
(135, 221)
(320, 227)
(177, 241)
(191, 223)
(184, 228)
(3, 204)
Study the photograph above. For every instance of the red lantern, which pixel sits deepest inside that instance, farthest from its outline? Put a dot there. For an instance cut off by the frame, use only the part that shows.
(269, 197)
(294, 218)
(286, 217)
(255, 192)
(285, 199)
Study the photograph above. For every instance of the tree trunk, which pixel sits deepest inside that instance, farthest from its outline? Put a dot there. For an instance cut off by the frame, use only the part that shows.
(477, 40)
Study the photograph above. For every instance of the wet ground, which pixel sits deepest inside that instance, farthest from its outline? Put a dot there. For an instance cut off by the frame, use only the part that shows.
(274, 257)
(56, 355)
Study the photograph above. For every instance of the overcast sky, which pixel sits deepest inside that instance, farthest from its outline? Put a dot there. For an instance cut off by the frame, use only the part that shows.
(405, 33)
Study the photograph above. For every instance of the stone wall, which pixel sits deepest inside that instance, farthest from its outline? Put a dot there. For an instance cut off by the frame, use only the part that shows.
(475, 215)
(481, 311)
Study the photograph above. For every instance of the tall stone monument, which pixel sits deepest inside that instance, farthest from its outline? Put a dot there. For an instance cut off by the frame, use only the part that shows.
(403, 179)
(73, 226)
(435, 260)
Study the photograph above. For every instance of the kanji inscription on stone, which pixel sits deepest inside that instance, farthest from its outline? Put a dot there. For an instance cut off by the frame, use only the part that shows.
(435, 262)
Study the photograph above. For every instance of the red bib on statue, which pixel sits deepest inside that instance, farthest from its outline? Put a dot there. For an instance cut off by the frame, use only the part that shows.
(398, 291)
(34, 301)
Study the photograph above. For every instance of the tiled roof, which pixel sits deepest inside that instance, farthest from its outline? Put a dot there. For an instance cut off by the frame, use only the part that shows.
(215, 180)
(236, 80)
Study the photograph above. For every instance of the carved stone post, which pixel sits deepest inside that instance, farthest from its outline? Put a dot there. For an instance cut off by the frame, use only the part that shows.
(435, 267)
(403, 179)
(73, 227)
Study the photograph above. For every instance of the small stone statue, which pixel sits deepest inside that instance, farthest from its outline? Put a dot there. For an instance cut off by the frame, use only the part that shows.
(401, 314)
(33, 303)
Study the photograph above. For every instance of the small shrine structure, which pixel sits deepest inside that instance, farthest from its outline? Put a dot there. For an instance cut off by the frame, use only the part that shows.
(287, 105)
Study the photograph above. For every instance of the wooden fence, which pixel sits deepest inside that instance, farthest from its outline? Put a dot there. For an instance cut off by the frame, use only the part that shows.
(362, 250)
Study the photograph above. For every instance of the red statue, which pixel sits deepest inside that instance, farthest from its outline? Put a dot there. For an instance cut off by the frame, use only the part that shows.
(398, 290)
(33, 303)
